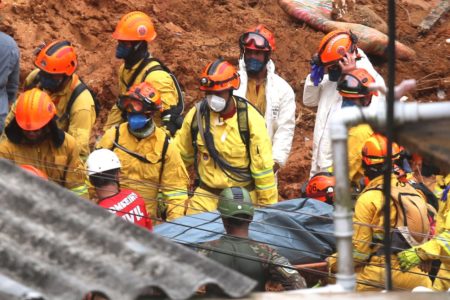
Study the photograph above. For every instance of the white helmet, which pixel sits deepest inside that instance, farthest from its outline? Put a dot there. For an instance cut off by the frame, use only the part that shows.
(102, 160)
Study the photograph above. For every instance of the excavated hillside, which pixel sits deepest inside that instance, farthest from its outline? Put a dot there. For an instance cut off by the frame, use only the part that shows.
(192, 33)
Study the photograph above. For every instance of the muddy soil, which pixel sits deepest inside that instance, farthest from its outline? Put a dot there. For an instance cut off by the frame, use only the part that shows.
(192, 33)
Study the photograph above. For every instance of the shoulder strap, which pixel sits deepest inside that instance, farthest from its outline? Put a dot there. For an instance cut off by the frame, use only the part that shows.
(75, 93)
(242, 116)
(163, 158)
(138, 70)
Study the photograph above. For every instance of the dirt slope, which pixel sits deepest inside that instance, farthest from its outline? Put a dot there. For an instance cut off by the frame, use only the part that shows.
(192, 33)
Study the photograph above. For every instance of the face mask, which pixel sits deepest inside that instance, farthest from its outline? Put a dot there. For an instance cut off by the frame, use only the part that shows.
(137, 121)
(254, 66)
(334, 73)
(123, 51)
(216, 103)
(50, 84)
(347, 103)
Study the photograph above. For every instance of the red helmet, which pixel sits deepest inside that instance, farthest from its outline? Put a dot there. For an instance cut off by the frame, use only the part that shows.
(257, 38)
(321, 187)
(334, 45)
(57, 58)
(219, 75)
(355, 84)
(141, 97)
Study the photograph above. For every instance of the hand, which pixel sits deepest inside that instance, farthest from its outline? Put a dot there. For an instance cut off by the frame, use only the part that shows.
(317, 70)
(276, 167)
(348, 62)
(408, 259)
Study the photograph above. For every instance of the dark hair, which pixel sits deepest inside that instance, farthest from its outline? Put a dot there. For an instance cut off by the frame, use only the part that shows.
(102, 179)
(238, 220)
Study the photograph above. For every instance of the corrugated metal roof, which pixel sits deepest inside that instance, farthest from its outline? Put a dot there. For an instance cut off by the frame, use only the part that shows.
(62, 246)
(430, 138)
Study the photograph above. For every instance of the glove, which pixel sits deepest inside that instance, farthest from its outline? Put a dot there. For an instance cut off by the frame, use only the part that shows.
(408, 259)
(317, 70)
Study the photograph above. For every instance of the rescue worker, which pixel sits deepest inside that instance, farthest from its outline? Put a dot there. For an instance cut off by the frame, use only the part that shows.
(149, 161)
(224, 137)
(236, 251)
(103, 168)
(321, 187)
(9, 74)
(353, 87)
(33, 137)
(266, 90)
(133, 33)
(368, 223)
(336, 55)
(75, 107)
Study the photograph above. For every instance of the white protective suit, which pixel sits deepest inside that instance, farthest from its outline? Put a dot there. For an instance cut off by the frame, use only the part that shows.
(280, 110)
(328, 100)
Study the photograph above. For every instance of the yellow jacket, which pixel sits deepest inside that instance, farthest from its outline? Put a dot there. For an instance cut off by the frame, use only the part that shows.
(356, 138)
(160, 80)
(230, 146)
(61, 164)
(82, 115)
(143, 177)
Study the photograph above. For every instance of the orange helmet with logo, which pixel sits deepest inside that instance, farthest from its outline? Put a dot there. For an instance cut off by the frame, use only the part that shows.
(57, 58)
(35, 171)
(218, 76)
(375, 150)
(34, 109)
(355, 84)
(141, 97)
(258, 38)
(135, 26)
(334, 45)
(321, 187)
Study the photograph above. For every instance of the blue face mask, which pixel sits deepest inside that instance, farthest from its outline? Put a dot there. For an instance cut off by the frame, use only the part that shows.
(123, 51)
(347, 103)
(253, 65)
(50, 84)
(137, 121)
(334, 73)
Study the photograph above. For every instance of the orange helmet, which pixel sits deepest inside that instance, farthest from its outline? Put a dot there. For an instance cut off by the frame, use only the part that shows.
(35, 171)
(355, 84)
(321, 187)
(57, 58)
(375, 149)
(34, 109)
(334, 45)
(218, 76)
(141, 97)
(258, 38)
(135, 26)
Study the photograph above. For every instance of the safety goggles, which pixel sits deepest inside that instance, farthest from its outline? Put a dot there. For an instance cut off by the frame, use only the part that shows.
(259, 42)
(351, 85)
(209, 83)
(134, 105)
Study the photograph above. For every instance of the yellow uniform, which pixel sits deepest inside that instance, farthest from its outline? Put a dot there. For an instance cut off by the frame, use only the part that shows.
(439, 246)
(62, 164)
(81, 117)
(369, 210)
(257, 96)
(143, 177)
(231, 148)
(356, 137)
(159, 79)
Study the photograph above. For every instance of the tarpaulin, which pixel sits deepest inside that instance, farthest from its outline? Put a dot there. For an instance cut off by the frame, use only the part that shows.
(300, 229)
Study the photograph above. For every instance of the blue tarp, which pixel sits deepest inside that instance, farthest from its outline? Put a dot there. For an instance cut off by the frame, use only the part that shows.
(300, 229)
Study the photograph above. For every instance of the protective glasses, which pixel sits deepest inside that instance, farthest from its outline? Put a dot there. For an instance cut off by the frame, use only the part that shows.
(258, 41)
(209, 83)
(131, 105)
(351, 85)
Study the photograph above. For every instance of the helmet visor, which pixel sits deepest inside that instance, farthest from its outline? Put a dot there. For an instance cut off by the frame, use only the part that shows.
(352, 86)
(254, 40)
(131, 105)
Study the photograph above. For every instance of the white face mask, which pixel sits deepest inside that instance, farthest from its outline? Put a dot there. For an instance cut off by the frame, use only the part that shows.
(216, 103)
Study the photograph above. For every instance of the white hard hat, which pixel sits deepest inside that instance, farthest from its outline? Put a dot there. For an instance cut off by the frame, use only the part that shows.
(102, 160)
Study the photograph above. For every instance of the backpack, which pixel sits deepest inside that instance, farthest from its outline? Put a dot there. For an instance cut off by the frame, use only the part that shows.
(242, 118)
(75, 93)
(412, 224)
(175, 110)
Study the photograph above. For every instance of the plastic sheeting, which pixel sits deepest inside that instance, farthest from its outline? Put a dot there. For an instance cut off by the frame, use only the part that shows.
(317, 14)
(300, 229)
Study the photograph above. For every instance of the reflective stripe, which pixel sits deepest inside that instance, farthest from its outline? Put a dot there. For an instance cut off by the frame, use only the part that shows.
(265, 186)
(378, 236)
(359, 255)
(80, 190)
(263, 173)
(443, 239)
(174, 194)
